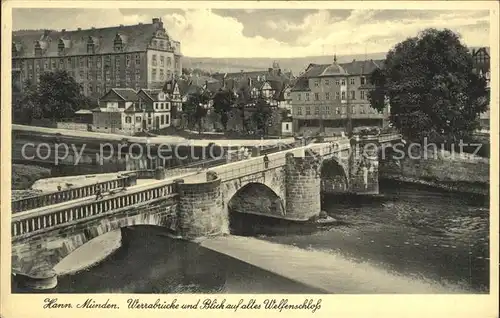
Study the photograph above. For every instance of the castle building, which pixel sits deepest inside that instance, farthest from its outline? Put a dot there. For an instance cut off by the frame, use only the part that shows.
(331, 94)
(141, 56)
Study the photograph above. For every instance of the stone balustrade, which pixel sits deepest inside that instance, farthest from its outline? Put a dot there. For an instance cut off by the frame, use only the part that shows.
(32, 222)
(126, 180)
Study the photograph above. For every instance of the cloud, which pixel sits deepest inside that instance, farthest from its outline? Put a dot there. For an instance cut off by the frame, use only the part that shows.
(276, 33)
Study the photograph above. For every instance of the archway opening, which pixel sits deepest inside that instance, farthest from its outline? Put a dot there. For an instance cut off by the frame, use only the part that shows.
(252, 207)
(333, 178)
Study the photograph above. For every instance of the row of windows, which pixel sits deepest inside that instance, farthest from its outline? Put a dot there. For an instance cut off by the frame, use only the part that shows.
(164, 119)
(162, 106)
(81, 61)
(162, 61)
(352, 81)
(327, 110)
(338, 95)
(162, 74)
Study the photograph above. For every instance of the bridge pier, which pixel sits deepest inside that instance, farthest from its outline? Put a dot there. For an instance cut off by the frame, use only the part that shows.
(303, 187)
(200, 208)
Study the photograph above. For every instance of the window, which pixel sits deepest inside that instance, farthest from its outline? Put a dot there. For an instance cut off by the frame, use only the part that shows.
(128, 119)
(99, 76)
(343, 82)
(46, 64)
(362, 94)
(107, 75)
(308, 110)
(81, 62)
(337, 95)
(90, 89)
(82, 74)
(169, 61)
(353, 110)
(153, 74)
(61, 64)
(353, 94)
(343, 110)
(154, 60)
(138, 118)
(163, 119)
(337, 82)
(343, 95)
(316, 83)
(117, 62)
(316, 110)
(353, 81)
(298, 97)
(316, 96)
(307, 96)
(127, 60)
(327, 82)
(363, 80)
(162, 61)
(337, 111)
(167, 119)
(162, 75)
(137, 59)
(89, 62)
(328, 110)
(299, 110)
(98, 89)
(327, 96)
(137, 74)
(107, 61)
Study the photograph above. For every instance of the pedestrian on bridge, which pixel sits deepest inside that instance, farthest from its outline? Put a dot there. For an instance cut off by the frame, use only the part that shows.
(98, 193)
(266, 161)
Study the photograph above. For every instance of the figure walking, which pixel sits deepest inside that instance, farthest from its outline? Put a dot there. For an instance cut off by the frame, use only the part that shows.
(266, 161)
(98, 193)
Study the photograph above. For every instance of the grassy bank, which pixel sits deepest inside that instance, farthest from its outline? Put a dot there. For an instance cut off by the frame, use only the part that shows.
(23, 176)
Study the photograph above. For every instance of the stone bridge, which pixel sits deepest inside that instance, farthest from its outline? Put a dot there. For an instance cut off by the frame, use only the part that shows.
(191, 206)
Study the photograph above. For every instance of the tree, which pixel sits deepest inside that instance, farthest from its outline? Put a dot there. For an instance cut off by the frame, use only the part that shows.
(223, 102)
(262, 115)
(195, 109)
(429, 82)
(57, 96)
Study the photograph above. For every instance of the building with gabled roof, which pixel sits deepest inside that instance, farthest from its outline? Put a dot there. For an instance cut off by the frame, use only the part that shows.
(132, 56)
(327, 96)
(126, 111)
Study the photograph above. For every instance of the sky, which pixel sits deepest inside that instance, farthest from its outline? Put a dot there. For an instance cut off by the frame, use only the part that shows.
(271, 32)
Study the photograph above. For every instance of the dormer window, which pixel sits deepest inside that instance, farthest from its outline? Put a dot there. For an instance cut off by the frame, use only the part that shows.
(90, 46)
(60, 46)
(118, 43)
(38, 49)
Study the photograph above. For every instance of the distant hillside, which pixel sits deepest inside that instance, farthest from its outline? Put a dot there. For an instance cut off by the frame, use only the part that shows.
(296, 64)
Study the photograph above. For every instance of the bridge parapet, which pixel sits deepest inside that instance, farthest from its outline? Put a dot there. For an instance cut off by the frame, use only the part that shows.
(35, 221)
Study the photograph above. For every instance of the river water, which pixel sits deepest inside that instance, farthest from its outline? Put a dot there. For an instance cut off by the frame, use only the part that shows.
(411, 231)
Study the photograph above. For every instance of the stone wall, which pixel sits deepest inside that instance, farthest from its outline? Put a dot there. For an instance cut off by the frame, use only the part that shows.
(440, 170)
(200, 209)
(303, 186)
(40, 252)
(72, 126)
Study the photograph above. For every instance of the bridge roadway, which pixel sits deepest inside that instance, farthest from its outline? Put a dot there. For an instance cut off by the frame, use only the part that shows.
(43, 217)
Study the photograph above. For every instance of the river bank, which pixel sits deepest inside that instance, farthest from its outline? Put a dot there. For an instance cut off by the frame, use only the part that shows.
(444, 170)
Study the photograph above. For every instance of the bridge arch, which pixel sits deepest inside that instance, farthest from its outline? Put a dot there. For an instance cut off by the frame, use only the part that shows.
(54, 246)
(334, 175)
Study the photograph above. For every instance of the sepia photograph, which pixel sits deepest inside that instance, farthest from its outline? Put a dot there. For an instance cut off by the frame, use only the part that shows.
(226, 150)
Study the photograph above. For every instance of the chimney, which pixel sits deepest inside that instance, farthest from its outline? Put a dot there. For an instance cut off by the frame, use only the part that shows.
(353, 60)
(156, 20)
(79, 29)
(121, 25)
